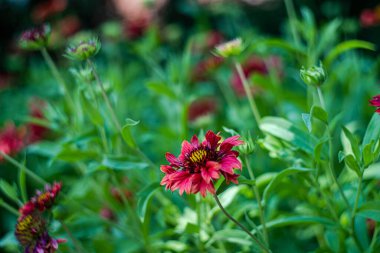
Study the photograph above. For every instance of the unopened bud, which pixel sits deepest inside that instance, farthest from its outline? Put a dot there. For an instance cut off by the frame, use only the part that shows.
(35, 38)
(314, 75)
(83, 50)
(230, 48)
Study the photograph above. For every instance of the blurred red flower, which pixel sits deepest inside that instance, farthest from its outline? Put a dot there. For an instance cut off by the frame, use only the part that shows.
(200, 164)
(11, 139)
(35, 131)
(375, 101)
(48, 8)
(202, 107)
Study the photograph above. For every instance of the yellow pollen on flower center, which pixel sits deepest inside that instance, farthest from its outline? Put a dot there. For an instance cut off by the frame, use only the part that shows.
(198, 155)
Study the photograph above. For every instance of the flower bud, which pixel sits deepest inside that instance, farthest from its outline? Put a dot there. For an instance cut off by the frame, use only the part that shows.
(35, 38)
(84, 74)
(83, 50)
(314, 75)
(230, 48)
(248, 147)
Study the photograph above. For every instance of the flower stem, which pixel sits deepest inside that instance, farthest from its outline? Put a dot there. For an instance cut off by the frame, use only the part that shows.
(258, 199)
(321, 99)
(374, 238)
(257, 241)
(251, 100)
(9, 208)
(105, 97)
(22, 167)
(199, 221)
(76, 243)
(292, 18)
(58, 77)
(353, 213)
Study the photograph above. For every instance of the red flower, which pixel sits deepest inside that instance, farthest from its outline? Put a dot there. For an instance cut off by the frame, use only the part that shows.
(367, 18)
(31, 232)
(200, 164)
(375, 101)
(11, 139)
(42, 200)
(48, 8)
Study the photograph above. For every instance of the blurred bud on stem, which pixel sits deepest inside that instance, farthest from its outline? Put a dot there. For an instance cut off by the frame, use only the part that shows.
(314, 75)
(230, 48)
(35, 38)
(83, 50)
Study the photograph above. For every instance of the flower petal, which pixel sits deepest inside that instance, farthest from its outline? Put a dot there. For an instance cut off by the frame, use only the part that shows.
(229, 143)
(173, 160)
(211, 140)
(210, 171)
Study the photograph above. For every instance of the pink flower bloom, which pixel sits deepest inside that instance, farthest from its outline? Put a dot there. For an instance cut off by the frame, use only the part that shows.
(42, 200)
(201, 163)
(36, 132)
(375, 101)
(31, 232)
(367, 18)
(11, 139)
(206, 67)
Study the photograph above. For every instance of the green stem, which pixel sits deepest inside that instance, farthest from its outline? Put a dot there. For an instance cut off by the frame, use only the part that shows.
(248, 92)
(105, 97)
(257, 241)
(331, 152)
(321, 99)
(353, 213)
(9, 208)
(292, 19)
(78, 247)
(22, 185)
(374, 239)
(258, 199)
(22, 167)
(58, 77)
(199, 220)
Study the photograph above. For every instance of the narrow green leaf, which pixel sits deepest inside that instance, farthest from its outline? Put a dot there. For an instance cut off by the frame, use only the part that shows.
(352, 164)
(373, 130)
(319, 113)
(122, 163)
(299, 220)
(353, 143)
(9, 190)
(319, 152)
(144, 196)
(127, 134)
(341, 156)
(70, 154)
(370, 210)
(307, 120)
(346, 46)
(286, 131)
(92, 112)
(161, 89)
(230, 235)
(368, 155)
(277, 179)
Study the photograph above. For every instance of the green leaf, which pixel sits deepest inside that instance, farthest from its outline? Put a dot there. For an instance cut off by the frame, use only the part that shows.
(353, 143)
(230, 235)
(161, 89)
(144, 196)
(284, 45)
(370, 210)
(307, 120)
(346, 46)
(341, 156)
(9, 190)
(368, 156)
(373, 130)
(320, 153)
(126, 132)
(92, 112)
(286, 131)
(352, 164)
(70, 154)
(122, 163)
(299, 220)
(319, 113)
(277, 179)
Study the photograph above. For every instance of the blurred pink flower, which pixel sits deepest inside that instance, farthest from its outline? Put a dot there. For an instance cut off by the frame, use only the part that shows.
(36, 132)
(200, 164)
(375, 101)
(255, 65)
(11, 139)
(202, 107)
(48, 8)
(138, 14)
